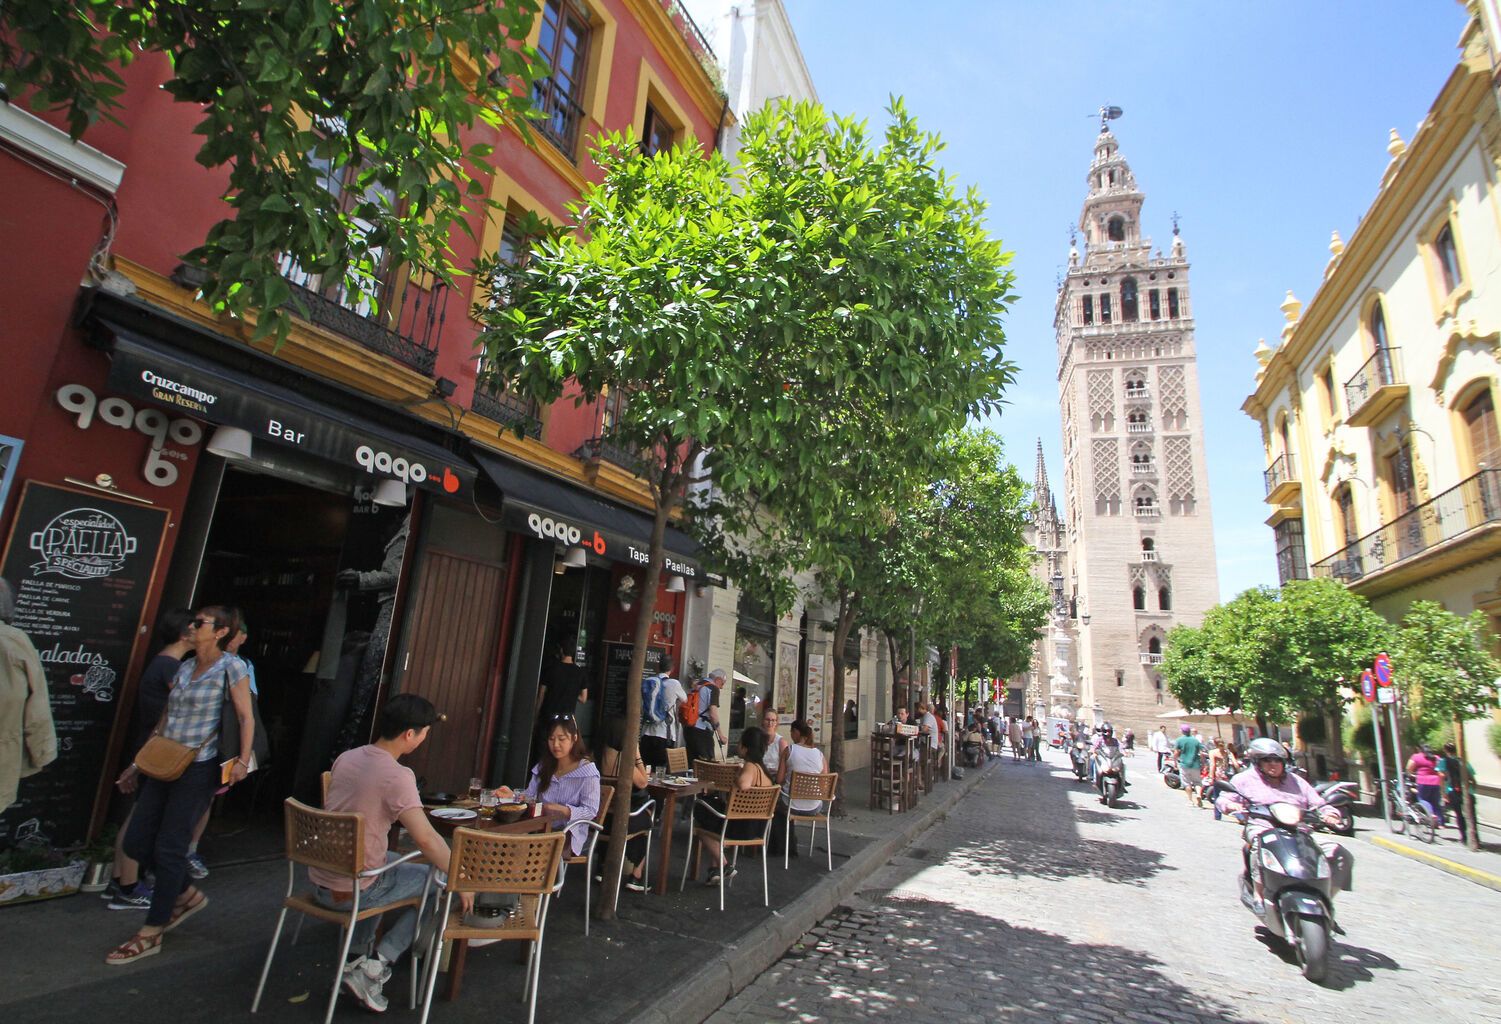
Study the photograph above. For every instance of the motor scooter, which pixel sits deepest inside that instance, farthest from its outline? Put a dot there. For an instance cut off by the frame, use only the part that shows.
(1170, 775)
(1109, 772)
(1341, 798)
(1078, 755)
(1289, 880)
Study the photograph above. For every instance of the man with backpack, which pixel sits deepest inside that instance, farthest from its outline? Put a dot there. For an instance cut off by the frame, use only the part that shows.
(662, 698)
(701, 718)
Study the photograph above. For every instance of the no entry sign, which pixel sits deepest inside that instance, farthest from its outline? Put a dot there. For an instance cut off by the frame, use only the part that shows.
(1368, 686)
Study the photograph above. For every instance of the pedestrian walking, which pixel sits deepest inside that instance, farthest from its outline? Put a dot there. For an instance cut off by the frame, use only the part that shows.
(1453, 768)
(1190, 752)
(1014, 736)
(167, 808)
(1424, 768)
(1160, 745)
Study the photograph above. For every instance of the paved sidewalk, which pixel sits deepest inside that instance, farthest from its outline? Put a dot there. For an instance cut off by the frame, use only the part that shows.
(637, 967)
(1446, 853)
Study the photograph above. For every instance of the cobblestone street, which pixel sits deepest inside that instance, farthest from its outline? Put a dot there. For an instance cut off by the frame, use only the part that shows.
(1031, 902)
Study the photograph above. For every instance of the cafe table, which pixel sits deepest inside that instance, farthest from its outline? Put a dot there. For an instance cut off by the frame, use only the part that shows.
(667, 795)
(505, 822)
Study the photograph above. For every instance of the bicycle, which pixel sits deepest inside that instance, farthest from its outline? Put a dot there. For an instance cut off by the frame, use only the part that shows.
(1406, 811)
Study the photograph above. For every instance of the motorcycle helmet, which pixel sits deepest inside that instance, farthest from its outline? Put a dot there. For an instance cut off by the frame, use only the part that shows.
(1264, 748)
(1107, 730)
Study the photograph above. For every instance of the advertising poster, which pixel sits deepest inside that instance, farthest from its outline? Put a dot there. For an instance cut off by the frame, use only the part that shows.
(785, 700)
(82, 566)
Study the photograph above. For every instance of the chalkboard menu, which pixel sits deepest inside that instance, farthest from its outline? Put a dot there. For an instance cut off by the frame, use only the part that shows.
(81, 565)
(618, 674)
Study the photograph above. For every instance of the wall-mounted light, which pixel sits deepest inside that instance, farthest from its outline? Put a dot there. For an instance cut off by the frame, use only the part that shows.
(701, 590)
(575, 558)
(390, 494)
(675, 584)
(230, 443)
(443, 387)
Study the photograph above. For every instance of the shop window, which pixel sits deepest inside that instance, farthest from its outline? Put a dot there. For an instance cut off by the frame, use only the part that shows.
(656, 133)
(1088, 310)
(1172, 304)
(1129, 313)
(564, 45)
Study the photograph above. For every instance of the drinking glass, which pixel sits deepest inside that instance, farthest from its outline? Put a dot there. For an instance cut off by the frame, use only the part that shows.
(487, 803)
(475, 786)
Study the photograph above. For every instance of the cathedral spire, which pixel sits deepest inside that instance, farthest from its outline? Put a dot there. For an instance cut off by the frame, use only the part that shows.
(1040, 492)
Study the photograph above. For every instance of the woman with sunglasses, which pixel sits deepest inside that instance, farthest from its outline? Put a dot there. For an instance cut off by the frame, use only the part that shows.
(161, 826)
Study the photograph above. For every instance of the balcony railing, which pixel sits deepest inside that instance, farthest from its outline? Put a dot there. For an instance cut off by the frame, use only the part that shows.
(1474, 503)
(1279, 475)
(1143, 469)
(1138, 428)
(599, 449)
(1149, 556)
(561, 117)
(1149, 659)
(1375, 388)
(1148, 511)
(1141, 394)
(404, 324)
(512, 410)
(690, 32)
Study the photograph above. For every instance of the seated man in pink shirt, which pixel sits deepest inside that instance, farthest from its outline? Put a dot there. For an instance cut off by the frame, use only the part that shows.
(371, 781)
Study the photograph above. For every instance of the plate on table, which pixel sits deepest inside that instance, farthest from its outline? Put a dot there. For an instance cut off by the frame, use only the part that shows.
(454, 813)
(512, 807)
(675, 780)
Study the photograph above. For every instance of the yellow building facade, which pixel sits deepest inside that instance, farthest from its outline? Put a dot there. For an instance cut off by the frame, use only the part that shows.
(1377, 405)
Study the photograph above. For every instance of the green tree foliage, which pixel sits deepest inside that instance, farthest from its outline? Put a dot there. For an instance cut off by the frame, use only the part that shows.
(304, 103)
(824, 314)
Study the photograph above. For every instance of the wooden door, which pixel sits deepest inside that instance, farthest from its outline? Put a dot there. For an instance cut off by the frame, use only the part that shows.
(455, 626)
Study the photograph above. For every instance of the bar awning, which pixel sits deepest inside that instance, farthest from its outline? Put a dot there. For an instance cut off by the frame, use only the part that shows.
(542, 506)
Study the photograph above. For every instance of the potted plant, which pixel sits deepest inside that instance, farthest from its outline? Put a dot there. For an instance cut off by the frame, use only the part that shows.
(33, 872)
(100, 858)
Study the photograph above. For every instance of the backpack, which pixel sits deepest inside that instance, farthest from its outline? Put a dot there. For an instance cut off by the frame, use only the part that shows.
(654, 700)
(690, 709)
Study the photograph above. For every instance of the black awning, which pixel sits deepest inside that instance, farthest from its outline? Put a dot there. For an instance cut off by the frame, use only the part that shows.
(282, 415)
(545, 507)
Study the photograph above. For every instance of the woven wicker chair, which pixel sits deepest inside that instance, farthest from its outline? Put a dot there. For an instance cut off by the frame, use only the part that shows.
(823, 787)
(332, 842)
(517, 865)
(677, 760)
(756, 803)
(328, 777)
(720, 775)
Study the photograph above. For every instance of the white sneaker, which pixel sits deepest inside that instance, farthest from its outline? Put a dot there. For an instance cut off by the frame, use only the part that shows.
(363, 979)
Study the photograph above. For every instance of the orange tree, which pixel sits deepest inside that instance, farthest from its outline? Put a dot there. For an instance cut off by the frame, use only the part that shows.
(832, 303)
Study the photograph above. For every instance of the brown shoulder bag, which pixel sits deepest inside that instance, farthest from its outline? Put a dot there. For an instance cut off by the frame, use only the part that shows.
(163, 759)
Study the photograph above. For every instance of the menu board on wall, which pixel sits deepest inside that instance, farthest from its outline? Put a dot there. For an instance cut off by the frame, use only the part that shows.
(81, 565)
(817, 710)
(618, 674)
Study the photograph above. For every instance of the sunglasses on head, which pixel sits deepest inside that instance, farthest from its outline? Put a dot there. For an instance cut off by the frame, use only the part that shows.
(561, 718)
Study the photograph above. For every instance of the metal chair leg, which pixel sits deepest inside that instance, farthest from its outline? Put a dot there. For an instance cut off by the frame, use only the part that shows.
(765, 885)
(536, 965)
(343, 956)
(588, 888)
(435, 953)
(281, 921)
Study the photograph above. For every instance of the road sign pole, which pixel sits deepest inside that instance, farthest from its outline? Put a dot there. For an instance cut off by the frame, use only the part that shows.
(1397, 752)
(1381, 796)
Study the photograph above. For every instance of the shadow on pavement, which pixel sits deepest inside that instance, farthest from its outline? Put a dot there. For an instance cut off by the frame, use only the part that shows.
(1022, 856)
(915, 961)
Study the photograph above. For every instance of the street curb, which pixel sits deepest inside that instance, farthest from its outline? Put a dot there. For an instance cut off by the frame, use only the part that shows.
(1475, 875)
(715, 981)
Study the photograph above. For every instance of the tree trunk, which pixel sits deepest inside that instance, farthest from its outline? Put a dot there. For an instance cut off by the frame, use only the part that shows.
(894, 652)
(631, 733)
(843, 623)
(1334, 722)
(1466, 791)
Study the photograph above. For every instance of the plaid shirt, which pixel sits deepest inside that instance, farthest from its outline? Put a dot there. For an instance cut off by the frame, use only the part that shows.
(196, 704)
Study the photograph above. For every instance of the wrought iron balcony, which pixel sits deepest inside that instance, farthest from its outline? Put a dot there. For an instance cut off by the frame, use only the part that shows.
(404, 324)
(561, 117)
(494, 402)
(600, 449)
(1281, 479)
(1465, 509)
(1376, 389)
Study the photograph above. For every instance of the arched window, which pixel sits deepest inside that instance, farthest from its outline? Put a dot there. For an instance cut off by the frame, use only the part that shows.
(1154, 304)
(1376, 323)
(1115, 228)
(1448, 257)
(1148, 544)
(1111, 177)
(1154, 646)
(1129, 313)
(1088, 310)
(1344, 515)
(1172, 303)
(1139, 598)
(1286, 437)
(1104, 309)
(1164, 599)
(1479, 415)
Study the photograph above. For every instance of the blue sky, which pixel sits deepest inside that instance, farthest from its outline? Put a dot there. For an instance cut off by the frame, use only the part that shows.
(1264, 125)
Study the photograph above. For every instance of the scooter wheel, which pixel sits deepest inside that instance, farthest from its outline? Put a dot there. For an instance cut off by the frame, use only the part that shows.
(1344, 823)
(1172, 782)
(1313, 948)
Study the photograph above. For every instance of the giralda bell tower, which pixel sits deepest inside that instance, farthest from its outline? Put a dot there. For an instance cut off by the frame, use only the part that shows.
(1136, 490)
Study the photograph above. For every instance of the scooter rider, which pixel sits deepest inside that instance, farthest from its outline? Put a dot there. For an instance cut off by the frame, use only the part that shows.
(1106, 738)
(1268, 782)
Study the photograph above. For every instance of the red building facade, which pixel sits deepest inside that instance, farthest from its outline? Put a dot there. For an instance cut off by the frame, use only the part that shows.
(367, 504)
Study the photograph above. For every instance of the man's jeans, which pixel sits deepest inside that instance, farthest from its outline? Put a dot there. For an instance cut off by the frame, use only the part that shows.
(401, 882)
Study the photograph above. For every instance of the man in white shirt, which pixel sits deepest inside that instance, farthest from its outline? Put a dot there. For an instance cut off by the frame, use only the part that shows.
(656, 737)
